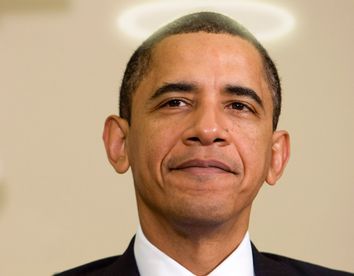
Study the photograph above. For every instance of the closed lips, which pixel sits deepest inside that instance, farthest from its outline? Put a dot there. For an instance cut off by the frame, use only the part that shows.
(197, 163)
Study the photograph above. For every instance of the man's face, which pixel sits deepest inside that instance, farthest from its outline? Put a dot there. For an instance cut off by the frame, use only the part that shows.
(200, 140)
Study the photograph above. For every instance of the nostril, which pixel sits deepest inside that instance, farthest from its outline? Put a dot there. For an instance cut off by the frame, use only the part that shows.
(194, 139)
(218, 140)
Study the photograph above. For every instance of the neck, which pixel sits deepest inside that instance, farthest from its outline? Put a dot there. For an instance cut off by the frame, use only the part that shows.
(199, 247)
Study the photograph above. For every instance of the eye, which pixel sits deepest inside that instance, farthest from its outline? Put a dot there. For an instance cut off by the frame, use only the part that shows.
(240, 106)
(174, 103)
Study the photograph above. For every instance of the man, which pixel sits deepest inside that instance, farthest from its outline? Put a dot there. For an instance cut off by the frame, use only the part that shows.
(199, 107)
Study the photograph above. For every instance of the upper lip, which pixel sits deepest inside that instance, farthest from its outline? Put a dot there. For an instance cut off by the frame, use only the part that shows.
(204, 164)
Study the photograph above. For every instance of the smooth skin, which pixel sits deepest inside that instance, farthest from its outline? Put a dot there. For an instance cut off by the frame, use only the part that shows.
(200, 145)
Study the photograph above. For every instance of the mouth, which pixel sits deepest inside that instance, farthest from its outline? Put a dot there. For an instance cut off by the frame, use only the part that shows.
(203, 166)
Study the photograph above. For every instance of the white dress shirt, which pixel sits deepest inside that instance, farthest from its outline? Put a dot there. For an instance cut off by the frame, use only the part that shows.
(153, 262)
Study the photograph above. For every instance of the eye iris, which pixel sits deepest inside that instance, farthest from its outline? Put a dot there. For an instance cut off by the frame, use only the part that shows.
(238, 106)
(174, 103)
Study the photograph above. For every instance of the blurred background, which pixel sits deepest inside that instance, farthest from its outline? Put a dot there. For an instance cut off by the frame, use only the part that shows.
(62, 205)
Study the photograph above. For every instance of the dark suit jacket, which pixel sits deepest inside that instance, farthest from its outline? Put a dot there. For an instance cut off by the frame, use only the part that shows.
(265, 264)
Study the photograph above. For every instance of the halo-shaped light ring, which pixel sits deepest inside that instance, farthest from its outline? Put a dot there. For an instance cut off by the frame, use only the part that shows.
(265, 21)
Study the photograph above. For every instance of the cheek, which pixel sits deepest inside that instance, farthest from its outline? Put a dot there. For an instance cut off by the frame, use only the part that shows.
(149, 144)
(253, 144)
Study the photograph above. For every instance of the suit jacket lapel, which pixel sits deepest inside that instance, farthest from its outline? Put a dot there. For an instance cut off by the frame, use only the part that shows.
(264, 266)
(125, 265)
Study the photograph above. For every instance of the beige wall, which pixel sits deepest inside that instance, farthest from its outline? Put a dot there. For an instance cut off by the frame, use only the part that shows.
(60, 202)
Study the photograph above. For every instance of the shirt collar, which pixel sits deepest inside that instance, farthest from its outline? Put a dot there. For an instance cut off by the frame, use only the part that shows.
(152, 261)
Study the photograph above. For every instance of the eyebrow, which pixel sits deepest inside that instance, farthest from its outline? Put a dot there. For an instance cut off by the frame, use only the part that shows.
(244, 92)
(173, 87)
(189, 87)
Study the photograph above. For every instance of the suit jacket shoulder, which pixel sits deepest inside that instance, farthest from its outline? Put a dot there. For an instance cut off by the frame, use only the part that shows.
(267, 264)
(124, 265)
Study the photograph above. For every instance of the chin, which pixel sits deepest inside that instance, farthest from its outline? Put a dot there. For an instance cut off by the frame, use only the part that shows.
(194, 216)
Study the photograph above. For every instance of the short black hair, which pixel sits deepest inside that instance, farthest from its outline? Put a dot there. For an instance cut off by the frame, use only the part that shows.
(208, 22)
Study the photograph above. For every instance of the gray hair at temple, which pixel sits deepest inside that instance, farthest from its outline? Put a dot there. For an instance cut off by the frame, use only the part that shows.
(209, 22)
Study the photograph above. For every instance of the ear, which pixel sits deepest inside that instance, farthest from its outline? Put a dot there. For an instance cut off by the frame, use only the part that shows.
(280, 156)
(115, 139)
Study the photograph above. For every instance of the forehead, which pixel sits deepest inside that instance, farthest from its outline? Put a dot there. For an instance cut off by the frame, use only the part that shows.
(194, 55)
(204, 40)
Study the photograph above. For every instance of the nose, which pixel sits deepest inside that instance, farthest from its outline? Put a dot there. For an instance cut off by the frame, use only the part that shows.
(206, 126)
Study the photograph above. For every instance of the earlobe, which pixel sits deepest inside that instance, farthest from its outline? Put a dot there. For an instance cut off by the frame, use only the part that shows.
(115, 139)
(280, 156)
